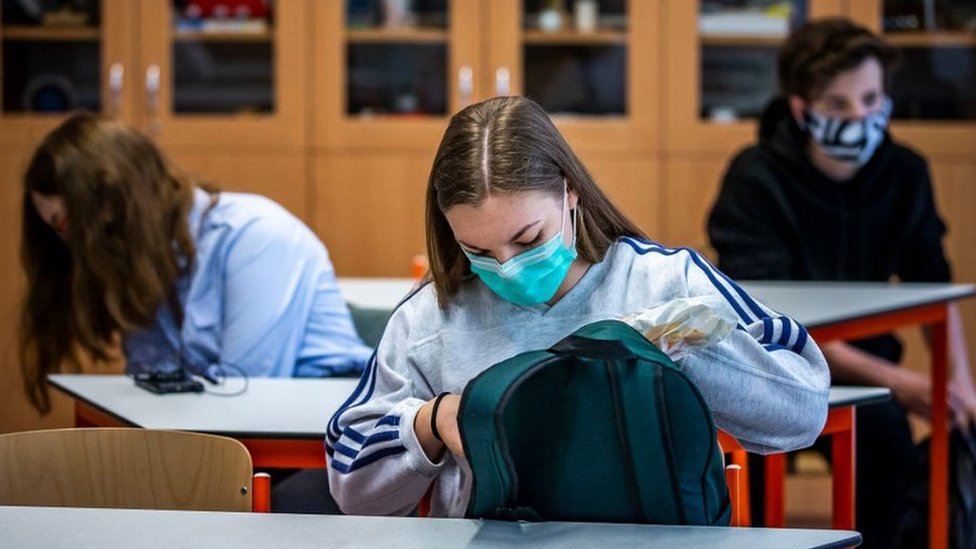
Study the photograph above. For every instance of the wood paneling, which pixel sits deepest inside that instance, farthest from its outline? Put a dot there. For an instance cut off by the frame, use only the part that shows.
(369, 210)
(955, 189)
(634, 186)
(690, 187)
(281, 177)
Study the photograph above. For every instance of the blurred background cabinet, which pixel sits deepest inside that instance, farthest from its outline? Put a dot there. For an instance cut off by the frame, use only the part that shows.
(217, 89)
(388, 74)
(335, 107)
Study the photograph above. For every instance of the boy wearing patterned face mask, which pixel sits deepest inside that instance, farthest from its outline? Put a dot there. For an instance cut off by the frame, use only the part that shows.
(827, 195)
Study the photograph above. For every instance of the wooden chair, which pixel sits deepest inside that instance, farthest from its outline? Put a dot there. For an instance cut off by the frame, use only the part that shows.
(129, 468)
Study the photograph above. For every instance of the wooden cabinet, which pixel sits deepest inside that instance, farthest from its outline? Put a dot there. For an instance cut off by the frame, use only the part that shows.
(335, 108)
(223, 98)
(721, 68)
(145, 62)
(599, 84)
(374, 138)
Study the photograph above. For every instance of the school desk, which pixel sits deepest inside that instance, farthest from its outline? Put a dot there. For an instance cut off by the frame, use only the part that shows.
(30, 527)
(850, 310)
(281, 421)
(831, 311)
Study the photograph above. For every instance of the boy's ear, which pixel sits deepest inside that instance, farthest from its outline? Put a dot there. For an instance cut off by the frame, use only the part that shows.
(797, 106)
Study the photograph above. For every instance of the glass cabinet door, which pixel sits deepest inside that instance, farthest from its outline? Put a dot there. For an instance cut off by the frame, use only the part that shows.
(721, 58)
(222, 73)
(390, 72)
(58, 57)
(936, 78)
(934, 83)
(589, 63)
(739, 44)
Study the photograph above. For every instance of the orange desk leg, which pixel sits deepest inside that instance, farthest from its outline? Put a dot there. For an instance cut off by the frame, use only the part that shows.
(741, 458)
(261, 493)
(939, 474)
(775, 481)
(733, 479)
(844, 467)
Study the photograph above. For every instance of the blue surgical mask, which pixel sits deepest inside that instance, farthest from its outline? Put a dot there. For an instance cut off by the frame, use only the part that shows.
(533, 276)
(852, 140)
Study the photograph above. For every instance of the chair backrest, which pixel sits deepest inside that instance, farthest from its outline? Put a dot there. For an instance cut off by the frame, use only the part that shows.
(125, 468)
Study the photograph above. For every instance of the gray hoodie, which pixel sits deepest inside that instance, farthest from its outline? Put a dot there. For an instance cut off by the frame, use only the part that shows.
(766, 384)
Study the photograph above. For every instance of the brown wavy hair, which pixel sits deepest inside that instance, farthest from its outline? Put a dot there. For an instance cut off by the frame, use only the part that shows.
(821, 49)
(509, 145)
(127, 232)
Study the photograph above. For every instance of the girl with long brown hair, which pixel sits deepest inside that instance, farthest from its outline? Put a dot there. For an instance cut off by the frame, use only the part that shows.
(524, 249)
(116, 243)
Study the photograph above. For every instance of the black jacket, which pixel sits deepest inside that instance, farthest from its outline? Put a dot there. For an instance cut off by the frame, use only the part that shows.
(779, 218)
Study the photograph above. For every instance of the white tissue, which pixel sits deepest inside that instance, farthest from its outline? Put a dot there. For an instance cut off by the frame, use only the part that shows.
(684, 325)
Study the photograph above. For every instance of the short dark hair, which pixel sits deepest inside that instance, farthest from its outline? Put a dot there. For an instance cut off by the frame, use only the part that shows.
(821, 49)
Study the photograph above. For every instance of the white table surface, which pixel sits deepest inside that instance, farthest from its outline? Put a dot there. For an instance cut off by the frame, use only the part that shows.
(41, 527)
(812, 304)
(291, 408)
(271, 408)
(816, 304)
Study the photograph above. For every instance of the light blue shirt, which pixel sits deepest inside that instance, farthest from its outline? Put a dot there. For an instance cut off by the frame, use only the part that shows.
(261, 296)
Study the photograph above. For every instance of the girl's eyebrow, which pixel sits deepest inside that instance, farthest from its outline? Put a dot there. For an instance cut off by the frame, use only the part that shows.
(513, 239)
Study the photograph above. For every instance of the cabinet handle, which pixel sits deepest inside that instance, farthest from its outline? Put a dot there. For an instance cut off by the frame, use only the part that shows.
(152, 98)
(116, 79)
(465, 85)
(503, 81)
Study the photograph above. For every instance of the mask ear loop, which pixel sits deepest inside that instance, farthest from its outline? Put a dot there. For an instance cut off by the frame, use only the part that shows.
(575, 209)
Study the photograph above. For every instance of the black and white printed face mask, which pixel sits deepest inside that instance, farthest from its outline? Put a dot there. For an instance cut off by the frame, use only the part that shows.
(849, 140)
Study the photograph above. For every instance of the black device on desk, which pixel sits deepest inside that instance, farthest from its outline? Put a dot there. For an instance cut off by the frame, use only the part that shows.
(168, 381)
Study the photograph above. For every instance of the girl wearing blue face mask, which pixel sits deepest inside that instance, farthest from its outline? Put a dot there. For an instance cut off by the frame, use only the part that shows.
(826, 194)
(525, 248)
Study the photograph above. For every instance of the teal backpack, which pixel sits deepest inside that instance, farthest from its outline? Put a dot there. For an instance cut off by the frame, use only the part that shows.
(601, 427)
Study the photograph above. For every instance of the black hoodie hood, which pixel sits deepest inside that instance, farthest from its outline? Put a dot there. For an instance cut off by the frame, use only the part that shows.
(778, 217)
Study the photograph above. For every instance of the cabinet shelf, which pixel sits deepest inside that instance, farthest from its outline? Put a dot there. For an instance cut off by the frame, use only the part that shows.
(50, 34)
(932, 39)
(191, 35)
(574, 38)
(397, 36)
(742, 40)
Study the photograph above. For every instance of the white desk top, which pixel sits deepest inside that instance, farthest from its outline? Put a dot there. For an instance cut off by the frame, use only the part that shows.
(812, 304)
(271, 408)
(375, 293)
(816, 304)
(293, 408)
(30, 527)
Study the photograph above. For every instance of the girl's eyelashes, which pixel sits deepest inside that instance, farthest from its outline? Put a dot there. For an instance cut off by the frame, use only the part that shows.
(535, 241)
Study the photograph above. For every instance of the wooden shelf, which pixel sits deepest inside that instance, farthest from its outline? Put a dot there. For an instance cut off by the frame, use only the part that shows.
(397, 36)
(932, 39)
(50, 34)
(186, 35)
(574, 38)
(742, 41)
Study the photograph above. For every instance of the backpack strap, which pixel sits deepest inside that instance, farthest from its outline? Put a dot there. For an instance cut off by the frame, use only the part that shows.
(610, 340)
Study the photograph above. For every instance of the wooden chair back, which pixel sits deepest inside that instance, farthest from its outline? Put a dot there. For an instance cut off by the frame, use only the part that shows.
(125, 468)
